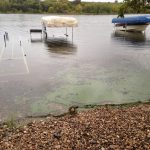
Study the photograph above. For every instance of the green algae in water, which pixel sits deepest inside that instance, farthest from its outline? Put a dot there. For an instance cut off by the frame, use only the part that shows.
(103, 89)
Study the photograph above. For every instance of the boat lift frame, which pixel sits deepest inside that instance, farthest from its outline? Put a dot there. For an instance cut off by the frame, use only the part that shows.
(44, 30)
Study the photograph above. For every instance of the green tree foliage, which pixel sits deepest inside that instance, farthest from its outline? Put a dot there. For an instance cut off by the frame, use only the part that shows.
(136, 6)
(99, 8)
(78, 8)
(67, 7)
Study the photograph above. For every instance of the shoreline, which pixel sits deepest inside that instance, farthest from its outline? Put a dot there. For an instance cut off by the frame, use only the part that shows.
(81, 108)
(124, 126)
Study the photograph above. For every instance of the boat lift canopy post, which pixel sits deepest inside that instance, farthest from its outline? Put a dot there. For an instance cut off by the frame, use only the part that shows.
(44, 31)
(66, 33)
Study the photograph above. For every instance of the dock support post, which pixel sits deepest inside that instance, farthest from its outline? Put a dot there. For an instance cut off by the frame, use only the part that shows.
(114, 27)
(5, 39)
(30, 36)
(44, 31)
(72, 35)
(125, 27)
(66, 33)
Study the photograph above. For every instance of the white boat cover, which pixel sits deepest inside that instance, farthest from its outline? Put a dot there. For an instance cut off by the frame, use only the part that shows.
(57, 21)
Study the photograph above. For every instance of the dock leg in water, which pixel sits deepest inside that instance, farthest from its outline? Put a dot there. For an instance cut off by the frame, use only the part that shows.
(5, 39)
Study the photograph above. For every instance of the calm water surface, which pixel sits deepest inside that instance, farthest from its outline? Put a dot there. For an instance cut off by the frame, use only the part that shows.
(101, 66)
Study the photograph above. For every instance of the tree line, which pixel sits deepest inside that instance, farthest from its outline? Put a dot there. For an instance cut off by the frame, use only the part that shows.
(65, 7)
(57, 6)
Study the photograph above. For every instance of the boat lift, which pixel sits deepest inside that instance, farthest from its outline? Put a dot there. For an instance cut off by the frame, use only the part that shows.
(58, 22)
(132, 23)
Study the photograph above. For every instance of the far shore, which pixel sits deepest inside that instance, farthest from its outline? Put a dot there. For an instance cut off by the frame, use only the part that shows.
(70, 14)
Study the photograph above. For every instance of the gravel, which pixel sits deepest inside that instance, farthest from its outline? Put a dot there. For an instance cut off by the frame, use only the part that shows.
(101, 128)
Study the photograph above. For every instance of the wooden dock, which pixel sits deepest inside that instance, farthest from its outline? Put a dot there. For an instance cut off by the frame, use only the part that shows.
(35, 31)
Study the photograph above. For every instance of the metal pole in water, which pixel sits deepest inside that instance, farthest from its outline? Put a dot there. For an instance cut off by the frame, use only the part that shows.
(41, 35)
(30, 36)
(114, 27)
(66, 33)
(44, 31)
(12, 51)
(72, 34)
(20, 42)
(125, 27)
(6, 35)
(5, 39)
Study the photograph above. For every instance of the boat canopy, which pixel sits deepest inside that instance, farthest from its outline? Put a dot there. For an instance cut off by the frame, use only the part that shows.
(132, 20)
(57, 21)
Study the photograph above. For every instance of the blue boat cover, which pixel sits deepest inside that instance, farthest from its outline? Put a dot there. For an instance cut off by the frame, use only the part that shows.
(132, 20)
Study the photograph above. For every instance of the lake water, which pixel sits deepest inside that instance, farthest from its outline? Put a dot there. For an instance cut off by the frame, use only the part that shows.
(100, 67)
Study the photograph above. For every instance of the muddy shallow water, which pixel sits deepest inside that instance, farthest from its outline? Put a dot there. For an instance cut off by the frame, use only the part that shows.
(101, 66)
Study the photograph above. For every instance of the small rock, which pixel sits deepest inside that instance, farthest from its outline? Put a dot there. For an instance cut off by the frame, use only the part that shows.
(5, 126)
(25, 132)
(113, 146)
(93, 142)
(57, 146)
(68, 141)
(57, 135)
(42, 122)
(148, 135)
(45, 132)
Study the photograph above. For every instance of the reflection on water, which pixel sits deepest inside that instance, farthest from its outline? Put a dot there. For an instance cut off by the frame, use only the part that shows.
(36, 40)
(60, 46)
(133, 37)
